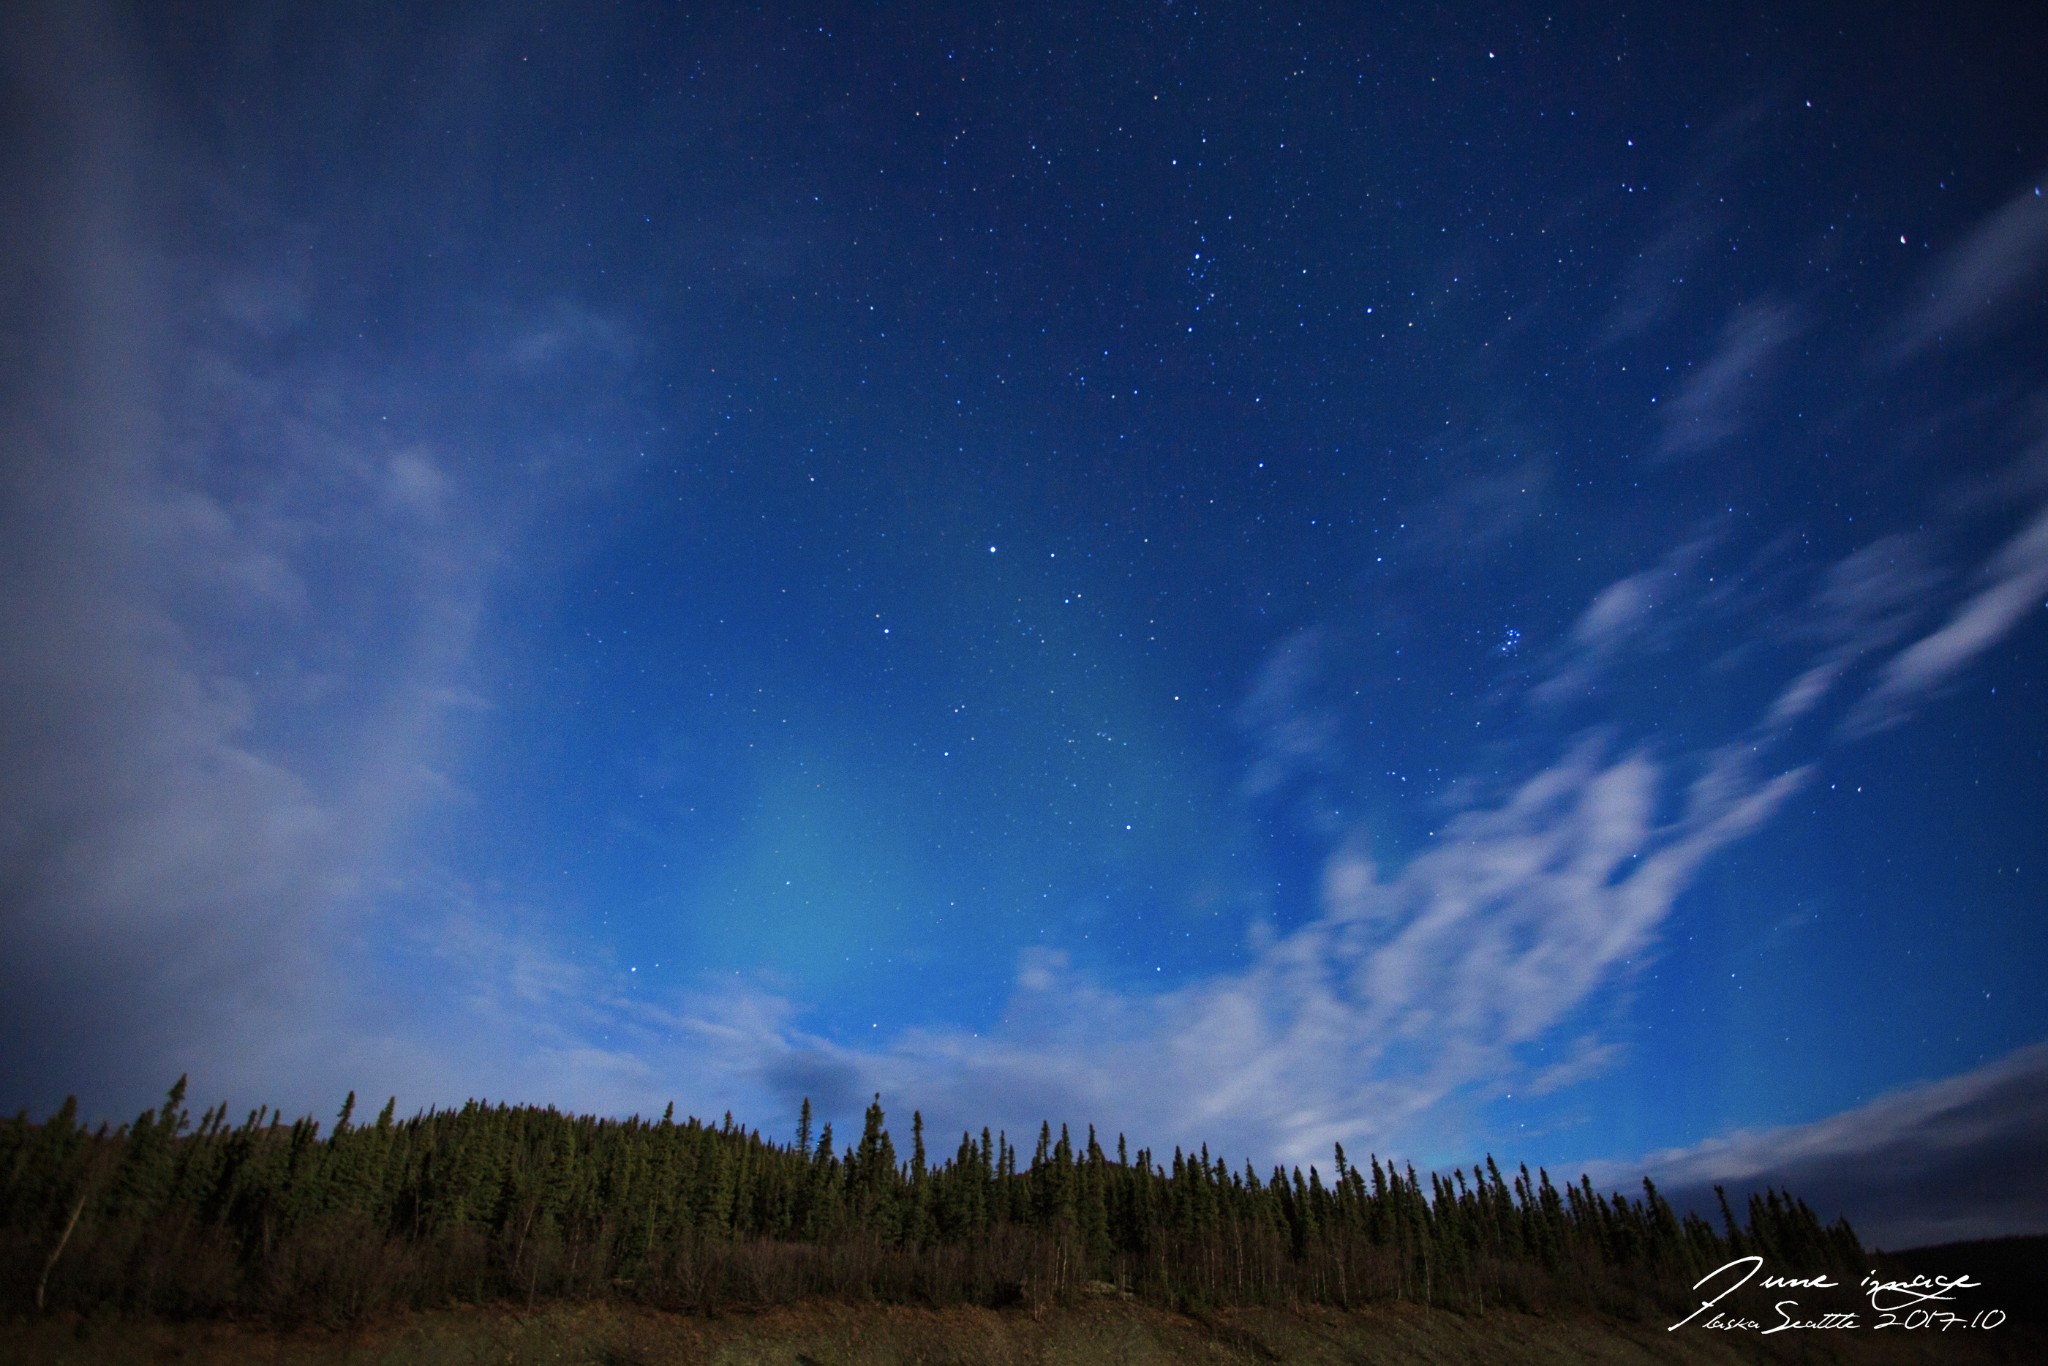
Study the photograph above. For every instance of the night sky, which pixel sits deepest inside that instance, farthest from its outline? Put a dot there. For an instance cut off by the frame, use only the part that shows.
(1445, 580)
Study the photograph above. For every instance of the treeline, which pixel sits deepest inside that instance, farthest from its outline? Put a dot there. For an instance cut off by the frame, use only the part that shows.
(495, 1203)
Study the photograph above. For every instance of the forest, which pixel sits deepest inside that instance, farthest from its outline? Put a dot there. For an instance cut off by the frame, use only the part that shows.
(494, 1203)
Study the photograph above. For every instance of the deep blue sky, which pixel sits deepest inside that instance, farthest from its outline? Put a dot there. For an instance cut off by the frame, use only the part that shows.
(1436, 580)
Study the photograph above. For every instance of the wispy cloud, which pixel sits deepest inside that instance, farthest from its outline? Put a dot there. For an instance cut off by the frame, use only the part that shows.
(559, 336)
(1404, 991)
(1292, 739)
(1417, 992)
(1941, 1161)
(1447, 976)
(1479, 511)
(1983, 281)
(227, 600)
(1688, 228)
(1709, 408)
(1629, 616)
(2012, 586)
(1863, 604)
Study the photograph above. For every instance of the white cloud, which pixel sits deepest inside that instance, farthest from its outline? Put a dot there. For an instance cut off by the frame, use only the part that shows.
(1404, 991)
(193, 534)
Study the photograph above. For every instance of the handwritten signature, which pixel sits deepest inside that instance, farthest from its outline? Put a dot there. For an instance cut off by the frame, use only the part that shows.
(1909, 1303)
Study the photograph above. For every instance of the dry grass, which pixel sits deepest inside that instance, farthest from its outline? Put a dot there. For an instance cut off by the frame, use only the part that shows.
(1104, 1332)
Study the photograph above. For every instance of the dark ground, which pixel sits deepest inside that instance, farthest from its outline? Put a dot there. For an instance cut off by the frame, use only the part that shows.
(1104, 1333)
(2012, 1274)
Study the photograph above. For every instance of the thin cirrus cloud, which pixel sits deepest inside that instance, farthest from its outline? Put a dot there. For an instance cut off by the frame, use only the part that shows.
(1865, 603)
(1633, 616)
(1982, 282)
(1709, 407)
(1293, 739)
(1978, 285)
(2012, 586)
(1689, 227)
